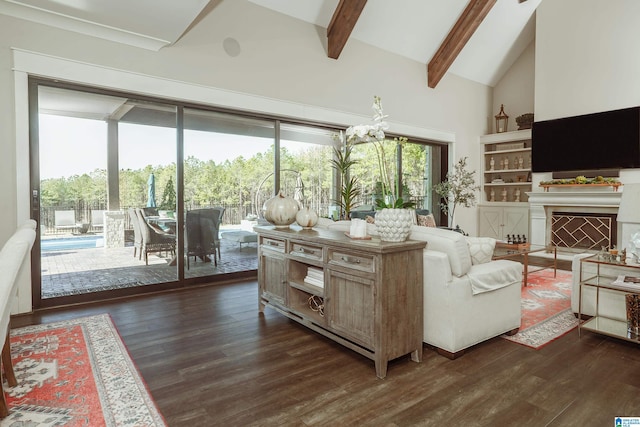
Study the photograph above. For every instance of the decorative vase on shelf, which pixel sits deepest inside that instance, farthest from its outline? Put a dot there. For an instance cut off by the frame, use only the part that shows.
(306, 218)
(280, 210)
(394, 225)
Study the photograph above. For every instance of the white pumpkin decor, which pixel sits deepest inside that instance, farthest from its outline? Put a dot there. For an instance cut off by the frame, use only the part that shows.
(306, 218)
(280, 210)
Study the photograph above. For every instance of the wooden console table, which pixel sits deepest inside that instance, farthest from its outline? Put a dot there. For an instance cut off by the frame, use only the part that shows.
(363, 294)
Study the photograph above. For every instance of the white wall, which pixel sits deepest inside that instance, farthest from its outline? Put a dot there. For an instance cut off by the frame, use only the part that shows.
(282, 66)
(586, 57)
(587, 60)
(515, 90)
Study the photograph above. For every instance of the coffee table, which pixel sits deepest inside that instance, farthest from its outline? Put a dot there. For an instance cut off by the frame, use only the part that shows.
(522, 251)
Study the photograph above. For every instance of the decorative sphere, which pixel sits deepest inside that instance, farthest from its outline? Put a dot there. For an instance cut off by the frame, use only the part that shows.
(280, 210)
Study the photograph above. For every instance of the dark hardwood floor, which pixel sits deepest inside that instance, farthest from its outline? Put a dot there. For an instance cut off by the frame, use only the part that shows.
(210, 359)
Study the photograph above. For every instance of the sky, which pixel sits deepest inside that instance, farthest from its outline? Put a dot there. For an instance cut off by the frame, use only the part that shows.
(71, 146)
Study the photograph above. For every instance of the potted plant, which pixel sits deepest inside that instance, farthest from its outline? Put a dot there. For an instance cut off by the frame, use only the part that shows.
(349, 186)
(393, 210)
(374, 133)
(458, 189)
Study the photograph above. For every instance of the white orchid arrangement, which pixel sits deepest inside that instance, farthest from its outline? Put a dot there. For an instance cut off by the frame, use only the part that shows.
(374, 133)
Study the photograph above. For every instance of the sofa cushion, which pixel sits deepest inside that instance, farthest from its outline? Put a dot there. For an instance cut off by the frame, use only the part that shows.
(481, 249)
(451, 243)
(324, 222)
(426, 220)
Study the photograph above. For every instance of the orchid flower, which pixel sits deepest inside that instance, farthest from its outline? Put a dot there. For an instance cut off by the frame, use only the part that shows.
(375, 133)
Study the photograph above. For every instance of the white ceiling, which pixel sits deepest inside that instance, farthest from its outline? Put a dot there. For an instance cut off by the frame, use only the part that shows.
(150, 24)
(411, 28)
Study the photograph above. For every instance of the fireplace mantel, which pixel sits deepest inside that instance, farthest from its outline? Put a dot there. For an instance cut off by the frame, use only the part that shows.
(542, 204)
(576, 198)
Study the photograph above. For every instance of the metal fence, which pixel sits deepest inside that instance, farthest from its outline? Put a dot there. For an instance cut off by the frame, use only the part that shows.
(233, 215)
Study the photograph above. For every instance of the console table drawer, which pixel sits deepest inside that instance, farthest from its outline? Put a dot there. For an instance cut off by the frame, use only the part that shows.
(306, 251)
(349, 260)
(273, 244)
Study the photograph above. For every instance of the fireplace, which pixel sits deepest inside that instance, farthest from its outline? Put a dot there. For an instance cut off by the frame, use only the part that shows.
(590, 231)
(583, 219)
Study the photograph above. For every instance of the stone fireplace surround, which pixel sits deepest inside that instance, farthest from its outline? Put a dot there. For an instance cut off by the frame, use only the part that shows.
(543, 204)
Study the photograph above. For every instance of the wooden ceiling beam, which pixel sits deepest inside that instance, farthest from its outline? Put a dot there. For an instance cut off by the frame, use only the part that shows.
(457, 38)
(342, 22)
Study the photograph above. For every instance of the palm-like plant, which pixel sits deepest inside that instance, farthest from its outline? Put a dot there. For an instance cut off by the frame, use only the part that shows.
(349, 188)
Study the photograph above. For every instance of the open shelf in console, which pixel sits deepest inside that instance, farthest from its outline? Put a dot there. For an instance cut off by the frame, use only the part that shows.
(306, 277)
(307, 304)
(306, 290)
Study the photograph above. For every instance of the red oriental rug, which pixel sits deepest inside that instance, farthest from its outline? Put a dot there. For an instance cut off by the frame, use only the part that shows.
(546, 309)
(76, 373)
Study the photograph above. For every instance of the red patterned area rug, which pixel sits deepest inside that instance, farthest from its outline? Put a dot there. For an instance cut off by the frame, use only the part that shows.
(76, 373)
(546, 309)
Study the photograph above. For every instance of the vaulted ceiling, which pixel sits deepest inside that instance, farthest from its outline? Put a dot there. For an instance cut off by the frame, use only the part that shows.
(475, 39)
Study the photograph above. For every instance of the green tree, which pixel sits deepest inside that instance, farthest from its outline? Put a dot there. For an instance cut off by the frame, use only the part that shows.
(169, 196)
(458, 189)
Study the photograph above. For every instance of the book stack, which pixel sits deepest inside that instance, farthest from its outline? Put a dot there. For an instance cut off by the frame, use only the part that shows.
(628, 282)
(315, 277)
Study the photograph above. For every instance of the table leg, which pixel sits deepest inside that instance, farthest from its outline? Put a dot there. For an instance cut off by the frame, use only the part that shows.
(526, 268)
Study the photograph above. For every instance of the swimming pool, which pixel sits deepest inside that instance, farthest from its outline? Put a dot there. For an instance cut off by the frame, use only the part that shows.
(67, 243)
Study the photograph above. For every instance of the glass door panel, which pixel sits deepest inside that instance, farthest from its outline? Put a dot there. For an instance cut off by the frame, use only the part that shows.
(86, 237)
(228, 175)
(369, 157)
(421, 170)
(305, 166)
(147, 188)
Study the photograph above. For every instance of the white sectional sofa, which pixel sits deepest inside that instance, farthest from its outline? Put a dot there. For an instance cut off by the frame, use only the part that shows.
(466, 301)
(14, 266)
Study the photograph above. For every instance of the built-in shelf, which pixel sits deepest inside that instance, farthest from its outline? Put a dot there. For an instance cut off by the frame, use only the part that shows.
(503, 209)
(499, 171)
(508, 184)
(506, 156)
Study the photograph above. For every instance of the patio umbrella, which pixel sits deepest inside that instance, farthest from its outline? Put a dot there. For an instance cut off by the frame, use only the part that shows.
(151, 199)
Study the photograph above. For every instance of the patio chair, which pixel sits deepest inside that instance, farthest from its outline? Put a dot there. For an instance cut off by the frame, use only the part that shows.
(137, 235)
(220, 210)
(150, 211)
(65, 220)
(154, 240)
(203, 226)
(97, 219)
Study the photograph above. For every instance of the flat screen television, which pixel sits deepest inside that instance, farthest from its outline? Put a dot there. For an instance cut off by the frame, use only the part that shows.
(591, 142)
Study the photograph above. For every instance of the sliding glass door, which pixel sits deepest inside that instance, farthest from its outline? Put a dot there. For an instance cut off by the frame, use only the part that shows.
(136, 194)
(99, 160)
(227, 161)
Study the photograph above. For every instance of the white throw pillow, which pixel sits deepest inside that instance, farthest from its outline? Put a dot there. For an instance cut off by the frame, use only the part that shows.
(481, 249)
